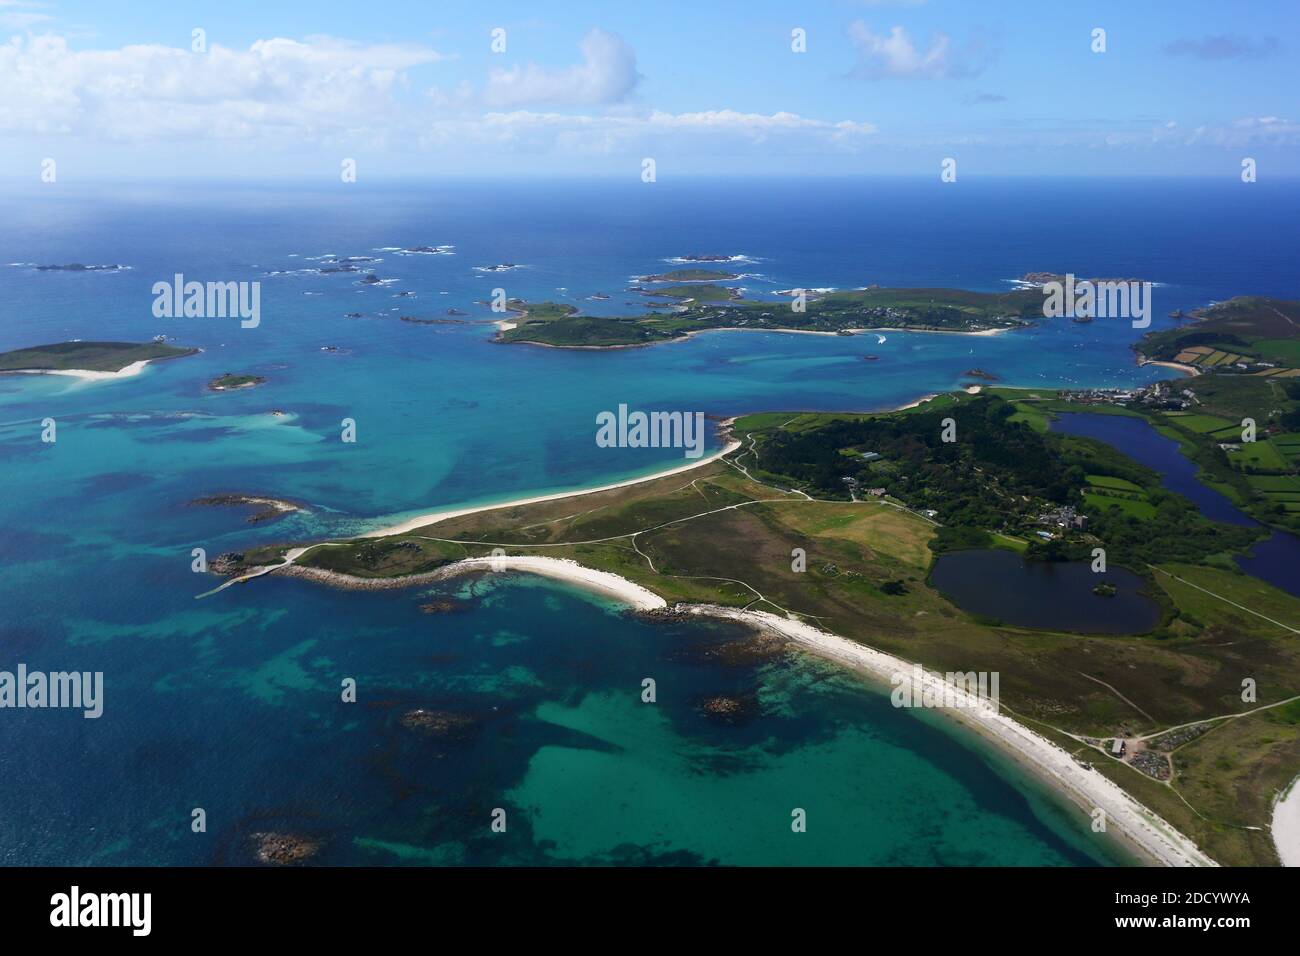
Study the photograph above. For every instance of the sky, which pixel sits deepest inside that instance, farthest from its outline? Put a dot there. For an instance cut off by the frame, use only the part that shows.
(245, 90)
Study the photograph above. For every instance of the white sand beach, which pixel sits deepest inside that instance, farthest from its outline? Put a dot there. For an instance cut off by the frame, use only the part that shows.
(561, 569)
(410, 524)
(85, 375)
(920, 401)
(981, 332)
(1140, 827)
(1179, 366)
(1286, 825)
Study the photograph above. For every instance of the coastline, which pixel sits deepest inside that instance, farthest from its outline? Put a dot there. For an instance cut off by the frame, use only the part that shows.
(1285, 827)
(85, 375)
(410, 524)
(735, 328)
(856, 331)
(1189, 370)
(432, 517)
(1139, 827)
(930, 396)
(559, 569)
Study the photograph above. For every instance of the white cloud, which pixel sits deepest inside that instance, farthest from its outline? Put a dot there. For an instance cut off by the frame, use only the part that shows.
(21, 14)
(607, 74)
(21, 20)
(276, 86)
(647, 132)
(896, 55)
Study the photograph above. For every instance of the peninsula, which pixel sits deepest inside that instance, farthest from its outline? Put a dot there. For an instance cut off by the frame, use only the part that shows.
(874, 500)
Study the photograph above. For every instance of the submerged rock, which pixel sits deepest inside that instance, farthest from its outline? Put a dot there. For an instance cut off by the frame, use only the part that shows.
(437, 723)
(730, 709)
(444, 606)
(284, 849)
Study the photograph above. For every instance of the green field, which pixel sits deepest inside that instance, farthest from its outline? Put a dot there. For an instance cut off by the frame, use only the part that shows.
(1203, 424)
(1281, 351)
(1135, 507)
(1260, 455)
(1118, 484)
(1274, 482)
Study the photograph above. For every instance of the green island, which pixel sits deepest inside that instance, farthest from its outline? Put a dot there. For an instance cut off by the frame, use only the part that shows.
(934, 310)
(88, 356)
(223, 383)
(874, 499)
(691, 275)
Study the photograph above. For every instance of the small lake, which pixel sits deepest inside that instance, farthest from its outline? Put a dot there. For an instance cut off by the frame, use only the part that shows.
(1275, 560)
(1053, 595)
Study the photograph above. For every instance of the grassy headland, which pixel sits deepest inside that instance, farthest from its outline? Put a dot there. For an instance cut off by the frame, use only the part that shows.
(88, 356)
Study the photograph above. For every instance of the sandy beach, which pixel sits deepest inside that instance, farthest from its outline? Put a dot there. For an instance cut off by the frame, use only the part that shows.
(1141, 828)
(410, 524)
(982, 332)
(693, 332)
(900, 331)
(85, 375)
(920, 401)
(1286, 825)
(1185, 369)
(560, 569)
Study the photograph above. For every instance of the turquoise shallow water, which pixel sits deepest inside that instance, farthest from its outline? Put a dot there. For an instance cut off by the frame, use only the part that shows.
(231, 703)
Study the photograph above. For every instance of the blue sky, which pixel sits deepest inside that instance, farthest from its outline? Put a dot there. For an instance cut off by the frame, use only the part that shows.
(583, 88)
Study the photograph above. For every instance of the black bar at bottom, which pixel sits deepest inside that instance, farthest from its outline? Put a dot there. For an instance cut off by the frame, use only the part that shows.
(331, 905)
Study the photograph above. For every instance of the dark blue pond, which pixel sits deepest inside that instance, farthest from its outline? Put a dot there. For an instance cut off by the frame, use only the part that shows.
(1275, 560)
(1053, 595)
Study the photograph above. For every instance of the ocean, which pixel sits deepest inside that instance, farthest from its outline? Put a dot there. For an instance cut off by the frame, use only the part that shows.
(232, 703)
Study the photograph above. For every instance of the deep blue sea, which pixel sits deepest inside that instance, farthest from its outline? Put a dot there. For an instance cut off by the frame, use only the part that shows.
(231, 703)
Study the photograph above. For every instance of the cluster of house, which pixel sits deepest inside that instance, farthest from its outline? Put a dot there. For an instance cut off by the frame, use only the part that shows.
(1065, 517)
(856, 488)
(1161, 395)
(1166, 396)
(1097, 396)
